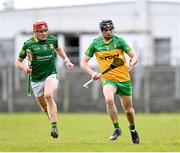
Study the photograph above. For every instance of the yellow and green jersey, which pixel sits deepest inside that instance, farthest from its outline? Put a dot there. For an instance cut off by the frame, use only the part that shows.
(43, 56)
(105, 52)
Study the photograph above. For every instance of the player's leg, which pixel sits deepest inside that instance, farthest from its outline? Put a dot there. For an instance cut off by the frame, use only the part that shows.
(43, 105)
(126, 102)
(109, 91)
(38, 90)
(50, 86)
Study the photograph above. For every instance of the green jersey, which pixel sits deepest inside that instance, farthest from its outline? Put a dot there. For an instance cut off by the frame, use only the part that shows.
(43, 57)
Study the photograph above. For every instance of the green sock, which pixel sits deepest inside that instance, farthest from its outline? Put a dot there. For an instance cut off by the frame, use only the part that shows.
(132, 127)
(116, 125)
(54, 125)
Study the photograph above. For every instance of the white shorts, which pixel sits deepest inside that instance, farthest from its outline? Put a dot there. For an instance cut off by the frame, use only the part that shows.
(38, 87)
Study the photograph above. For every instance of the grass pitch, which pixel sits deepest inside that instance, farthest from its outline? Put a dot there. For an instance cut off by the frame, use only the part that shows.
(88, 133)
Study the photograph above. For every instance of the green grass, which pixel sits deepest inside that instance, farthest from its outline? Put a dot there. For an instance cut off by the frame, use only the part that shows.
(88, 133)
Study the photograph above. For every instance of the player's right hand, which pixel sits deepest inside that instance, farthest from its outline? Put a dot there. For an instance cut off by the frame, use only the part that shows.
(96, 75)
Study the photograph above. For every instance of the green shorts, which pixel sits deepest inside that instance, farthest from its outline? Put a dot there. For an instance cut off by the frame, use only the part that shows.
(122, 88)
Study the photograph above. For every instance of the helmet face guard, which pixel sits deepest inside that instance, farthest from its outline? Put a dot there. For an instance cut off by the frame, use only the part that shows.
(40, 25)
(104, 24)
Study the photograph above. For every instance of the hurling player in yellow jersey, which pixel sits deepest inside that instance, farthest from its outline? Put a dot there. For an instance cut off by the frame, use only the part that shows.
(116, 81)
(42, 48)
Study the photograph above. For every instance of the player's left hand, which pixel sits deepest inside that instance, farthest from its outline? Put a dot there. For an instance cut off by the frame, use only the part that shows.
(131, 65)
(69, 65)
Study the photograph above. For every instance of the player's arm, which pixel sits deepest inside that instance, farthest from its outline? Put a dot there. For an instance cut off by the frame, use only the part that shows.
(60, 51)
(133, 59)
(88, 69)
(21, 66)
(127, 49)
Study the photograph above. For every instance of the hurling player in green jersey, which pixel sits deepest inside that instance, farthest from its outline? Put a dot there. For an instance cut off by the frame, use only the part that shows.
(116, 81)
(42, 49)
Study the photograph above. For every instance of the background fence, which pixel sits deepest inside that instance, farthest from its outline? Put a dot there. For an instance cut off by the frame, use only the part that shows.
(155, 89)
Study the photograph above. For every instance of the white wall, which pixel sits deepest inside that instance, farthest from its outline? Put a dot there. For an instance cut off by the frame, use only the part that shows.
(68, 19)
(140, 21)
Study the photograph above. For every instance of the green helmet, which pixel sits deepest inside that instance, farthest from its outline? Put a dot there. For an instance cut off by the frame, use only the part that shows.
(107, 23)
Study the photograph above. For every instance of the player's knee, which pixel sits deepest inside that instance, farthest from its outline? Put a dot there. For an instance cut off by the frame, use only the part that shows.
(110, 100)
(48, 97)
(129, 111)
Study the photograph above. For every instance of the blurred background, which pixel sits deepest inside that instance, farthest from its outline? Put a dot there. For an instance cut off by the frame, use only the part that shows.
(152, 29)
